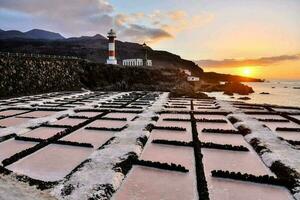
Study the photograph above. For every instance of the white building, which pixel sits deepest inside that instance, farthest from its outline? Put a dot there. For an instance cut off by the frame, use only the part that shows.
(137, 62)
(187, 72)
(193, 78)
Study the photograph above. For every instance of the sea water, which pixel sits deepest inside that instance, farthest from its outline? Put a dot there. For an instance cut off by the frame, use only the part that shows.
(283, 93)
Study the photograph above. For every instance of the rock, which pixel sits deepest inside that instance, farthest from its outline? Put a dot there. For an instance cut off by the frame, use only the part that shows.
(264, 93)
(228, 93)
(244, 98)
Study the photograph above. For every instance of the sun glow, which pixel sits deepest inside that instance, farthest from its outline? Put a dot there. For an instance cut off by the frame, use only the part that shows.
(246, 71)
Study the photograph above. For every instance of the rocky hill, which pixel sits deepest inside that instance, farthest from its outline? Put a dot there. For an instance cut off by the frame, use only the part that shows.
(94, 49)
(35, 34)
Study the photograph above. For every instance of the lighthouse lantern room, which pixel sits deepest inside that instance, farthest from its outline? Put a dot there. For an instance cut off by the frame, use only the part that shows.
(111, 48)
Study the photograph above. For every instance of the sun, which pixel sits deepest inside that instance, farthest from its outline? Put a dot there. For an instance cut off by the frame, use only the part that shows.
(246, 71)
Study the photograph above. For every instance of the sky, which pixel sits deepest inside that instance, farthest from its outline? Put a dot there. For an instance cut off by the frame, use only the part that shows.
(259, 38)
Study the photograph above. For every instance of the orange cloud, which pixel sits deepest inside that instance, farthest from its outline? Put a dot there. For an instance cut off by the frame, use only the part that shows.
(264, 61)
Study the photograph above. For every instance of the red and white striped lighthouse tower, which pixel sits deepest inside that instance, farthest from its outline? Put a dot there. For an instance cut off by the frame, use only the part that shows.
(111, 48)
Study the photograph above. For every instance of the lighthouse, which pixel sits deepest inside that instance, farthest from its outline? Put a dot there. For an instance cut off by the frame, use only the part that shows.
(111, 48)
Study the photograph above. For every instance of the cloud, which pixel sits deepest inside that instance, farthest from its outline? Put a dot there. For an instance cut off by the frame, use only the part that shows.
(264, 61)
(82, 17)
(158, 25)
(73, 17)
(144, 34)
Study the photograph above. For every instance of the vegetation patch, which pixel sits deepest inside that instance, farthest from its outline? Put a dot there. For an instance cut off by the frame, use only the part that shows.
(288, 129)
(78, 144)
(293, 142)
(171, 128)
(258, 146)
(265, 179)
(7, 137)
(29, 139)
(55, 126)
(106, 129)
(224, 131)
(125, 166)
(223, 146)
(166, 166)
(78, 117)
(173, 142)
(115, 119)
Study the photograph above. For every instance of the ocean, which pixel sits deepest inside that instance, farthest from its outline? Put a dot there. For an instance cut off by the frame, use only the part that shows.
(282, 93)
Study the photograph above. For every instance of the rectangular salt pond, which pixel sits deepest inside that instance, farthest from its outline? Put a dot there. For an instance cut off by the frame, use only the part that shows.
(161, 184)
(52, 163)
(212, 125)
(43, 132)
(237, 161)
(171, 135)
(12, 121)
(37, 114)
(94, 137)
(288, 135)
(69, 121)
(108, 123)
(10, 112)
(274, 125)
(181, 124)
(227, 189)
(219, 138)
(128, 116)
(149, 183)
(170, 154)
(12, 146)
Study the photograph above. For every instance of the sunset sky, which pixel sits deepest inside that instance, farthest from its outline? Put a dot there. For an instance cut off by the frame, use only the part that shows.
(259, 38)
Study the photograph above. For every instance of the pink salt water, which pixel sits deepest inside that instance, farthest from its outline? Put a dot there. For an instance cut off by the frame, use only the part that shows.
(12, 112)
(108, 123)
(161, 184)
(212, 125)
(181, 124)
(128, 116)
(230, 189)
(96, 138)
(12, 146)
(52, 163)
(171, 135)
(12, 121)
(169, 154)
(288, 135)
(274, 125)
(43, 132)
(69, 121)
(37, 114)
(148, 184)
(237, 161)
(227, 189)
(232, 139)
